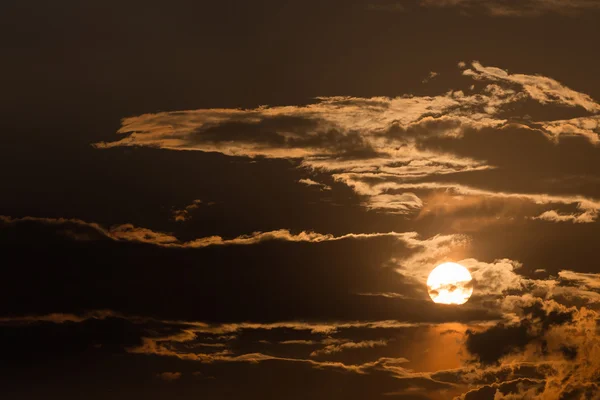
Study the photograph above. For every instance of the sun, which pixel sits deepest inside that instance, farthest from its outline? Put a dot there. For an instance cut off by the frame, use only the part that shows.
(450, 283)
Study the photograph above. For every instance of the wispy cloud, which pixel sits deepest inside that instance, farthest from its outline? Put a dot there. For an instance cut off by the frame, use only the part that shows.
(540, 88)
(588, 216)
(81, 230)
(543, 347)
(338, 346)
(377, 185)
(374, 145)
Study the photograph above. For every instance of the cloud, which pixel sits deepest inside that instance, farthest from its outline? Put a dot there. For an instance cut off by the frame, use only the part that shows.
(312, 327)
(59, 318)
(399, 276)
(190, 329)
(390, 295)
(310, 182)
(375, 185)
(540, 88)
(285, 235)
(494, 278)
(377, 145)
(163, 346)
(430, 76)
(517, 389)
(337, 347)
(142, 235)
(591, 281)
(587, 127)
(561, 344)
(551, 351)
(536, 357)
(184, 214)
(513, 338)
(430, 252)
(334, 127)
(321, 275)
(302, 342)
(584, 218)
(402, 203)
(390, 366)
(128, 232)
(82, 230)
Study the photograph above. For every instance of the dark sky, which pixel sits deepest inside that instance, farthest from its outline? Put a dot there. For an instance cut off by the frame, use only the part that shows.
(244, 200)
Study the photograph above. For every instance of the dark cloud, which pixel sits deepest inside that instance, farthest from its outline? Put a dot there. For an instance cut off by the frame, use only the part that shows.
(514, 338)
(525, 388)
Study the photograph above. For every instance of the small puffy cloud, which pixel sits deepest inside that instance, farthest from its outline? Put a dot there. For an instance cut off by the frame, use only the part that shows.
(494, 278)
(184, 214)
(310, 182)
(430, 76)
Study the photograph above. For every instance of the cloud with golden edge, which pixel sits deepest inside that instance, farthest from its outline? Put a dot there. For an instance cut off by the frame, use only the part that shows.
(361, 139)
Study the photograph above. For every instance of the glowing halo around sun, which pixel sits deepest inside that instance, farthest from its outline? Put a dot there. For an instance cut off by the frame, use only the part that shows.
(450, 283)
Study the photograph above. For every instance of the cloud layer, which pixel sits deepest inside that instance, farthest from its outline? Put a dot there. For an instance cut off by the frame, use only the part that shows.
(385, 148)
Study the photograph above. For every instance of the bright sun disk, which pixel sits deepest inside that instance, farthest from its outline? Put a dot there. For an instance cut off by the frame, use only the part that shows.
(450, 283)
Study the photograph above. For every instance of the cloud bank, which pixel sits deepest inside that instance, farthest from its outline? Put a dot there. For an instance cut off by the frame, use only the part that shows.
(382, 147)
